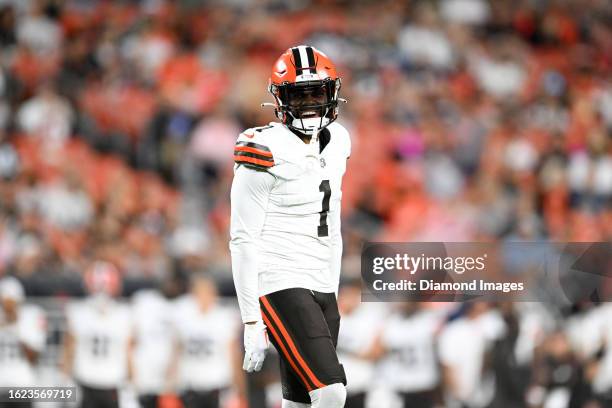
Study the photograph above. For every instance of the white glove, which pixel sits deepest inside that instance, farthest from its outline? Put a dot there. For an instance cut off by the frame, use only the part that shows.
(255, 345)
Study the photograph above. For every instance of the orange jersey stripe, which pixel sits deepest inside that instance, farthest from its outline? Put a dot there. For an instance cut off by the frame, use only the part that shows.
(252, 150)
(286, 336)
(252, 160)
(285, 352)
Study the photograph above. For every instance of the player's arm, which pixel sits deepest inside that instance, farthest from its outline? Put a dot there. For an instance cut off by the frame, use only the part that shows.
(249, 200)
(449, 358)
(173, 365)
(171, 372)
(68, 353)
(30, 354)
(131, 347)
(379, 345)
(30, 327)
(239, 380)
(250, 194)
(376, 350)
(69, 342)
(32, 335)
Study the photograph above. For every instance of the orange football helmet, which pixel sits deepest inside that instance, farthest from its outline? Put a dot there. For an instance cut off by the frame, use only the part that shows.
(102, 278)
(305, 86)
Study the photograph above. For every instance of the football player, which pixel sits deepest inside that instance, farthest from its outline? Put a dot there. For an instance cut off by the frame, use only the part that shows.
(152, 345)
(464, 348)
(205, 352)
(285, 241)
(354, 342)
(408, 362)
(99, 338)
(22, 338)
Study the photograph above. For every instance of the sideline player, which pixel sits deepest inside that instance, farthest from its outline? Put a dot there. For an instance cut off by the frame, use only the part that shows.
(205, 352)
(360, 325)
(152, 345)
(98, 341)
(406, 349)
(22, 338)
(285, 242)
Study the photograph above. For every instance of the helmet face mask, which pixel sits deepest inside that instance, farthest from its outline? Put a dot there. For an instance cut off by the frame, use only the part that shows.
(306, 100)
(306, 93)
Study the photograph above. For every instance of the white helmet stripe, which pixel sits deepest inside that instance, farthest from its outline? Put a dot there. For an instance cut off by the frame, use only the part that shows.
(304, 59)
(311, 57)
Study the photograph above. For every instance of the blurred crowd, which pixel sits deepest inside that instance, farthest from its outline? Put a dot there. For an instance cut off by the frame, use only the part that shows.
(470, 120)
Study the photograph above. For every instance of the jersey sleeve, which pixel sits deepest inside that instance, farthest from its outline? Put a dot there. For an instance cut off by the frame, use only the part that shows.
(447, 348)
(336, 247)
(348, 145)
(336, 218)
(341, 134)
(252, 150)
(386, 333)
(249, 201)
(32, 328)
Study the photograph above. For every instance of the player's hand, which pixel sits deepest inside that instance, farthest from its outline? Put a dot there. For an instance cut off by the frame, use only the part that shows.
(255, 345)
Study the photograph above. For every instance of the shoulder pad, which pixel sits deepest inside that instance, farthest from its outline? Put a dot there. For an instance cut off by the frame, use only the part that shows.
(342, 136)
(252, 149)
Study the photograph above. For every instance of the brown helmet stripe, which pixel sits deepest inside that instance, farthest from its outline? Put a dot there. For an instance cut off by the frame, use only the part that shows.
(297, 59)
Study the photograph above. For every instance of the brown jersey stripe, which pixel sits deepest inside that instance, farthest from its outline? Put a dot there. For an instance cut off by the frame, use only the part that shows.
(253, 150)
(252, 160)
(254, 156)
(253, 145)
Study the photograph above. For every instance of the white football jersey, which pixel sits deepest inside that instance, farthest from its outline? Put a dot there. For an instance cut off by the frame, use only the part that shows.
(353, 340)
(462, 346)
(302, 214)
(101, 342)
(153, 340)
(205, 339)
(602, 383)
(29, 329)
(410, 364)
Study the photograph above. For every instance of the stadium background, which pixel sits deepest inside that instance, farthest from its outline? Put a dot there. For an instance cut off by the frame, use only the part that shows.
(471, 120)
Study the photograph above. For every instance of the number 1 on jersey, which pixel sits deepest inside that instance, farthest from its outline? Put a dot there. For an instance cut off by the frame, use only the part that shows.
(326, 190)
